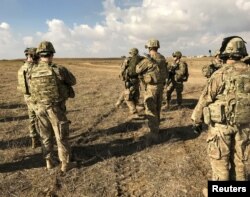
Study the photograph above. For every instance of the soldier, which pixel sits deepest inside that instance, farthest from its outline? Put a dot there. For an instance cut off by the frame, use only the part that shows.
(132, 84)
(153, 73)
(225, 106)
(178, 73)
(24, 87)
(208, 70)
(50, 88)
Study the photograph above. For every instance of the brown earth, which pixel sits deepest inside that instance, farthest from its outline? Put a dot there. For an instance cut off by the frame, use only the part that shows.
(113, 158)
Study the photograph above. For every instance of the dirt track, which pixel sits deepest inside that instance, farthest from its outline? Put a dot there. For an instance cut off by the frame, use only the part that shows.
(113, 158)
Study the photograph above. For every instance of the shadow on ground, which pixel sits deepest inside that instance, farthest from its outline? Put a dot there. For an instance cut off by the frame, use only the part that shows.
(87, 153)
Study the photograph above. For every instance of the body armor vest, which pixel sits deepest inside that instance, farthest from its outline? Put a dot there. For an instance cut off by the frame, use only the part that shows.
(44, 85)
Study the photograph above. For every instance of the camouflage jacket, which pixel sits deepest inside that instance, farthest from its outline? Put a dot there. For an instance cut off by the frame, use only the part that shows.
(177, 71)
(214, 89)
(23, 78)
(153, 70)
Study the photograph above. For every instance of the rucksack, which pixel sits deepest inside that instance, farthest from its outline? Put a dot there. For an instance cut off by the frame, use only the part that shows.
(186, 73)
(131, 69)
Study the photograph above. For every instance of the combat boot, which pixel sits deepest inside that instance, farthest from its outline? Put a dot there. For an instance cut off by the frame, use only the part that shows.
(68, 166)
(49, 164)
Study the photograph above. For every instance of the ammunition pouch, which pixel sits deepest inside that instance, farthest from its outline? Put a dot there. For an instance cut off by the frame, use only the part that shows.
(64, 129)
(151, 78)
(215, 113)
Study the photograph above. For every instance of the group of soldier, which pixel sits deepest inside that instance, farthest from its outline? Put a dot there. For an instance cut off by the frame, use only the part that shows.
(224, 104)
(46, 87)
(153, 73)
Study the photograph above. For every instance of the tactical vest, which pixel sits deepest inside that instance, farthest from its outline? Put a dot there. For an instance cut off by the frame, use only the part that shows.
(233, 105)
(43, 84)
(161, 68)
(237, 91)
(22, 79)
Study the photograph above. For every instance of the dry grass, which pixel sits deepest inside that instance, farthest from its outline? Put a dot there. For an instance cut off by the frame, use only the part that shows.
(112, 162)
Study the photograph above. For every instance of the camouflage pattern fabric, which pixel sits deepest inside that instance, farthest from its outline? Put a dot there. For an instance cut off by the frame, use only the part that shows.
(153, 87)
(131, 94)
(175, 81)
(50, 107)
(52, 121)
(24, 86)
(228, 144)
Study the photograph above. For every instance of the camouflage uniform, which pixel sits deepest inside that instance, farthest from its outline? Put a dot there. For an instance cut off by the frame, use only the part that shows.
(50, 88)
(153, 73)
(177, 73)
(23, 86)
(131, 94)
(208, 70)
(228, 141)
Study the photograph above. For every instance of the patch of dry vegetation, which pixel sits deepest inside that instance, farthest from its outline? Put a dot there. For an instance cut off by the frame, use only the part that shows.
(110, 150)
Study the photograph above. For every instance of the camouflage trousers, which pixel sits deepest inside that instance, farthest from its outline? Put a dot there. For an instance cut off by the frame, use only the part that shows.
(228, 149)
(131, 97)
(178, 87)
(153, 101)
(52, 121)
(32, 117)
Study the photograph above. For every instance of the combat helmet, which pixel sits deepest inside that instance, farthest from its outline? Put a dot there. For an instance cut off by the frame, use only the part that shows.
(177, 54)
(152, 43)
(133, 51)
(233, 47)
(45, 48)
(26, 51)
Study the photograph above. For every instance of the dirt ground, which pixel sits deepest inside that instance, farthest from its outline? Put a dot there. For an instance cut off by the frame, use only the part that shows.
(113, 158)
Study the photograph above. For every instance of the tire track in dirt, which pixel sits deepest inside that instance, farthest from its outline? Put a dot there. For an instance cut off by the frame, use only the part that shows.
(189, 147)
(130, 180)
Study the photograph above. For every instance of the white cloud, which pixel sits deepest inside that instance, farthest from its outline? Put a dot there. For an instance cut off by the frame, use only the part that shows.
(191, 26)
(4, 26)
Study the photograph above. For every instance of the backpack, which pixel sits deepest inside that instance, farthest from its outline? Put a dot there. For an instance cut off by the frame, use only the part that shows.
(186, 73)
(131, 69)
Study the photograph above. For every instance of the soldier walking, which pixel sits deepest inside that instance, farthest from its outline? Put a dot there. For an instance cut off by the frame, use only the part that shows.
(24, 87)
(131, 94)
(225, 106)
(50, 88)
(153, 73)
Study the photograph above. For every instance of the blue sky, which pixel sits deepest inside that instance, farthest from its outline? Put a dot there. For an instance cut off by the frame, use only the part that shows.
(109, 28)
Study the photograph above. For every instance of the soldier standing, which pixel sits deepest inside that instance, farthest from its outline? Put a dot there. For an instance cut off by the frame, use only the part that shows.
(178, 73)
(225, 106)
(131, 93)
(208, 70)
(50, 88)
(153, 73)
(24, 87)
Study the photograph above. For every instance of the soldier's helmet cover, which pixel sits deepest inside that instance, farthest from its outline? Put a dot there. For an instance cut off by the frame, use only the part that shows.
(177, 54)
(233, 46)
(26, 51)
(45, 48)
(152, 43)
(133, 51)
